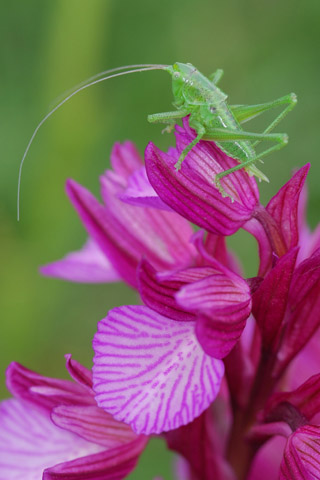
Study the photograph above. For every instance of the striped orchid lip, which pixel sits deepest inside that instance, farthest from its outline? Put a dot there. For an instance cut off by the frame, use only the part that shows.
(147, 370)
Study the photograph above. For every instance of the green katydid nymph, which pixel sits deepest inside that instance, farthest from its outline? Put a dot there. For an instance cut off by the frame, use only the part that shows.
(209, 115)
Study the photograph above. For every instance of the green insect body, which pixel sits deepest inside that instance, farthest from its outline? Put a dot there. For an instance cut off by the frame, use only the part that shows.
(213, 119)
(209, 115)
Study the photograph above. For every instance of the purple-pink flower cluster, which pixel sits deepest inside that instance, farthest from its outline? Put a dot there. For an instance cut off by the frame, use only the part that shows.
(224, 368)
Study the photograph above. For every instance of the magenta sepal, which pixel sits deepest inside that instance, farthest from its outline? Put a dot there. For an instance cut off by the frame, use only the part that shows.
(276, 227)
(93, 424)
(269, 301)
(283, 207)
(147, 369)
(79, 373)
(191, 191)
(114, 464)
(44, 392)
(303, 312)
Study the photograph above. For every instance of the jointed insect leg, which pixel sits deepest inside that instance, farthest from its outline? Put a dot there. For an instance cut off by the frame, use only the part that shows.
(282, 139)
(185, 152)
(223, 135)
(244, 113)
(166, 117)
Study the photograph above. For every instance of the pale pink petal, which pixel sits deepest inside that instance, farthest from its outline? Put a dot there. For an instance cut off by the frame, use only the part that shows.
(88, 265)
(125, 159)
(150, 371)
(140, 192)
(126, 233)
(30, 442)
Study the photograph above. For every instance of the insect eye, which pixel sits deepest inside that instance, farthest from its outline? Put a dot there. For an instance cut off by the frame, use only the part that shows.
(176, 75)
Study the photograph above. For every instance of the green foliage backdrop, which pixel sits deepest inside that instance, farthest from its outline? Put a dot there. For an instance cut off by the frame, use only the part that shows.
(267, 48)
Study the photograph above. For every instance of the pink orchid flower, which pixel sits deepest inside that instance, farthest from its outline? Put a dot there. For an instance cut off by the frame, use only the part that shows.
(192, 364)
(53, 429)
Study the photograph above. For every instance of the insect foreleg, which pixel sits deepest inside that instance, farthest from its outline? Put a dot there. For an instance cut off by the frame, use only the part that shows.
(201, 131)
(166, 117)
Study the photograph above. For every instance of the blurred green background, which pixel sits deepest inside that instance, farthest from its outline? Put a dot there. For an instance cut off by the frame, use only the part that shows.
(267, 48)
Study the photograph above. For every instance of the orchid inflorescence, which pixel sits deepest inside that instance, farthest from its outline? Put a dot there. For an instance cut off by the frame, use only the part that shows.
(224, 368)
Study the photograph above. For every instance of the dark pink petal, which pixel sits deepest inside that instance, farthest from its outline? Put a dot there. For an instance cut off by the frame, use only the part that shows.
(284, 207)
(125, 159)
(201, 446)
(79, 373)
(126, 233)
(269, 301)
(223, 304)
(44, 392)
(140, 192)
(301, 460)
(160, 294)
(306, 398)
(150, 372)
(30, 442)
(88, 265)
(303, 309)
(93, 424)
(191, 191)
(114, 464)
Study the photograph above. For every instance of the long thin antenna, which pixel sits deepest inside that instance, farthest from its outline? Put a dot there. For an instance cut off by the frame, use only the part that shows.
(96, 76)
(86, 84)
